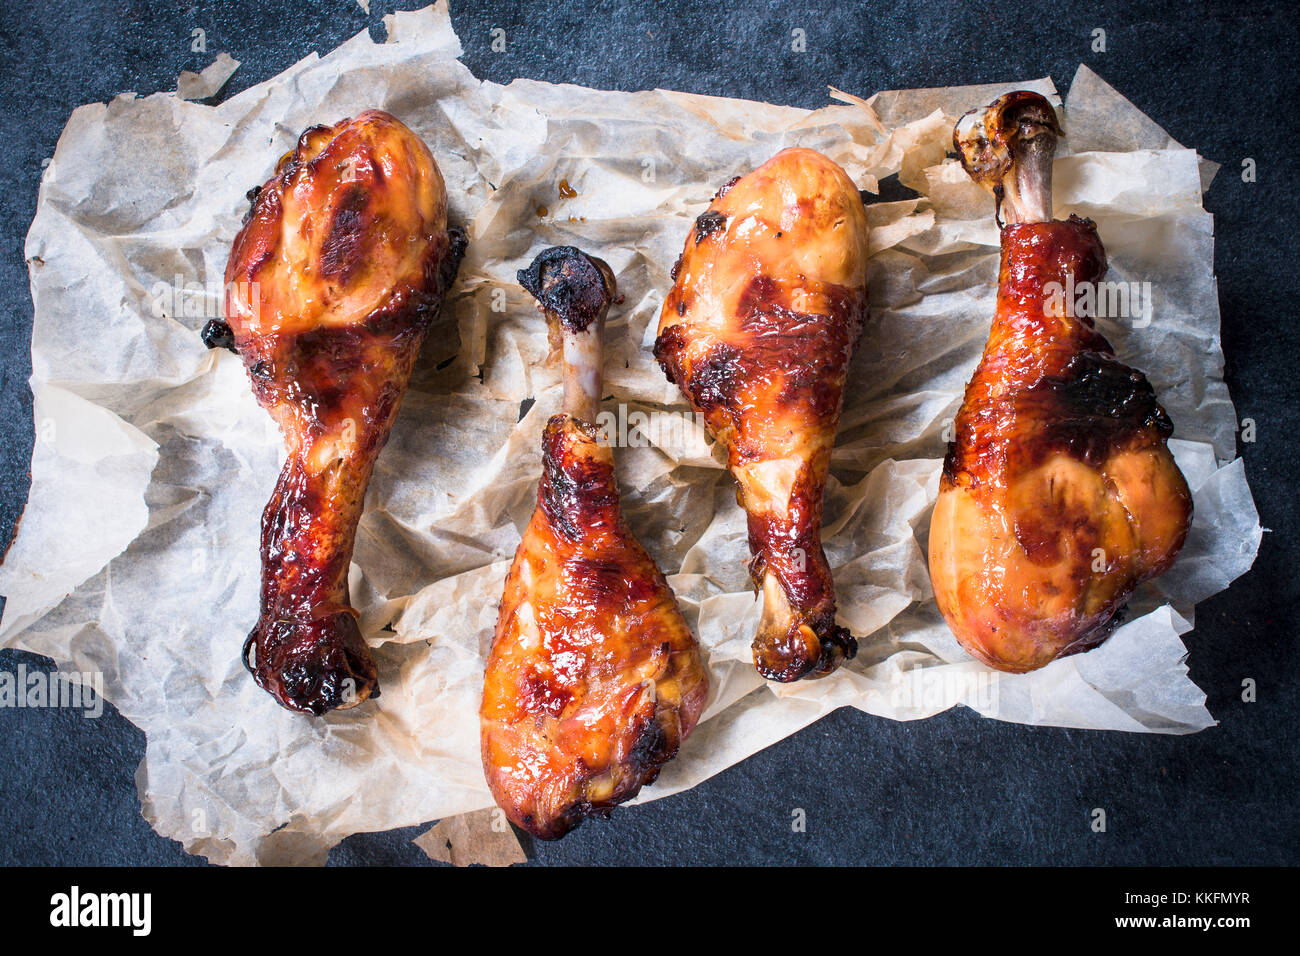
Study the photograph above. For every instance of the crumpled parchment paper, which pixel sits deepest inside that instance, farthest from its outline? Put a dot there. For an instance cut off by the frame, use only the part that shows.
(138, 552)
(199, 86)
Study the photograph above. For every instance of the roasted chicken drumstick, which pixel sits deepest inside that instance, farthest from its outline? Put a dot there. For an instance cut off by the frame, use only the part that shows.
(1059, 495)
(594, 679)
(768, 304)
(342, 262)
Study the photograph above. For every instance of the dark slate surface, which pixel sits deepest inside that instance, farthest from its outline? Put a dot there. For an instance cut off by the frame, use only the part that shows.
(953, 789)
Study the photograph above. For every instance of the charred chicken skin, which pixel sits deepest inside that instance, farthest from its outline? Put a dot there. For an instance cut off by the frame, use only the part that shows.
(1059, 494)
(767, 306)
(342, 262)
(594, 678)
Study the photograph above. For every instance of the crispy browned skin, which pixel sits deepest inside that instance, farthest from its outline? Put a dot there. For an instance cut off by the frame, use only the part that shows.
(1059, 495)
(767, 308)
(338, 270)
(594, 678)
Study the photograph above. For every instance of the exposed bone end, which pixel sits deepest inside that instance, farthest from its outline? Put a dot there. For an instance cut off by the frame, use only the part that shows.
(573, 288)
(1007, 147)
(312, 664)
(574, 291)
(790, 645)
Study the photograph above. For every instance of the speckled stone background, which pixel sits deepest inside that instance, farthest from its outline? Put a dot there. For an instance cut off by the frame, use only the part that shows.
(954, 789)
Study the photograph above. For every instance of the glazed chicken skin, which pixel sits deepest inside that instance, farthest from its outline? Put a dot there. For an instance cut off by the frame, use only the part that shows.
(341, 265)
(766, 310)
(594, 678)
(1058, 495)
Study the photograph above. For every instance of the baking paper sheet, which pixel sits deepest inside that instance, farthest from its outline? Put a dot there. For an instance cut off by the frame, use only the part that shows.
(138, 552)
